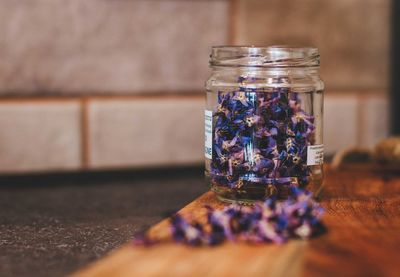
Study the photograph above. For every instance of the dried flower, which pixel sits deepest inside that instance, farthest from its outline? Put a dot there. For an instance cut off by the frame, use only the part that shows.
(270, 221)
(262, 134)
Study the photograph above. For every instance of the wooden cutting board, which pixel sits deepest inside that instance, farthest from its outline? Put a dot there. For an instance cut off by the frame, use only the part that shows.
(363, 239)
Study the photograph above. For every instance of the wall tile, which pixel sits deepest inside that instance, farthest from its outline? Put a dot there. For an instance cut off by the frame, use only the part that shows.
(95, 46)
(340, 122)
(39, 136)
(352, 35)
(375, 120)
(146, 132)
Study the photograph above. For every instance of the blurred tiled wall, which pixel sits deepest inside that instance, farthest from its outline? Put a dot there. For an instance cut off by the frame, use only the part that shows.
(101, 84)
(100, 46)
(351, 35)
(353, 39)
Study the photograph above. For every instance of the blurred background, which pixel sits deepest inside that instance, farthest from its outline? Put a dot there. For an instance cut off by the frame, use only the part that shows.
(102, 84)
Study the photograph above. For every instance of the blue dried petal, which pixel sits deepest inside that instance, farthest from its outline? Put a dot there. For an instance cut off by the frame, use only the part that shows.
(263, 123)
(269, 221)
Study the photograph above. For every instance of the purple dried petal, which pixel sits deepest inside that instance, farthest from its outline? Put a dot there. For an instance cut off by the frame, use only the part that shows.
(268, 221)
(251, 122)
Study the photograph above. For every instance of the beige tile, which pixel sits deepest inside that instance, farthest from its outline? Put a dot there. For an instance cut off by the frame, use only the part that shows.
(340, 122)
(39, 136)
(375, 120)
(146, 132)
(96, 46)
(352, 35)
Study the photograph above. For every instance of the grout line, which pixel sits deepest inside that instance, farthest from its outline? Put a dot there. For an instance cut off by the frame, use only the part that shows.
(63, 99)
(85, 139)
(183, 96)
(352, 92)
(40, 99)
(361, 124)
(232, 21)
(148, 97)
(187, 95)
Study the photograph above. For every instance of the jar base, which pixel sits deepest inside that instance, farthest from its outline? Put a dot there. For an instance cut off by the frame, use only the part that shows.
(250, 195)
(234, 196)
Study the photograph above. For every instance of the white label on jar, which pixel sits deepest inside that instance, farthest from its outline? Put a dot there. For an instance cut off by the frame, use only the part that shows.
(315, 154)
(208, 134)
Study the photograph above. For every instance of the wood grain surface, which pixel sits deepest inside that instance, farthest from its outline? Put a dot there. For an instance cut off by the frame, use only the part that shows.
(363, 239)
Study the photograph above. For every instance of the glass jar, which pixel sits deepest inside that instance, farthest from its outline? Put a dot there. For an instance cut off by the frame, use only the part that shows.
(263, 122)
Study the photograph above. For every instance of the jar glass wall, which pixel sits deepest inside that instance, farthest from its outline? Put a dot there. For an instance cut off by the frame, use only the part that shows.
(263, 122)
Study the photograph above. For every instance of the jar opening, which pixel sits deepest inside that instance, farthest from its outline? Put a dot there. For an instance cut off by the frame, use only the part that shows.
(271, 56)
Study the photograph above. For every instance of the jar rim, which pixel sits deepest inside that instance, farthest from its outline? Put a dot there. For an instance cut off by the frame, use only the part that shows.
(264, 56)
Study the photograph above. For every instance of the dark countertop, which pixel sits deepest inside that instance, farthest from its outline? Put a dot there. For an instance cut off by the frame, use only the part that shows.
(362, 221)
(51, 225)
